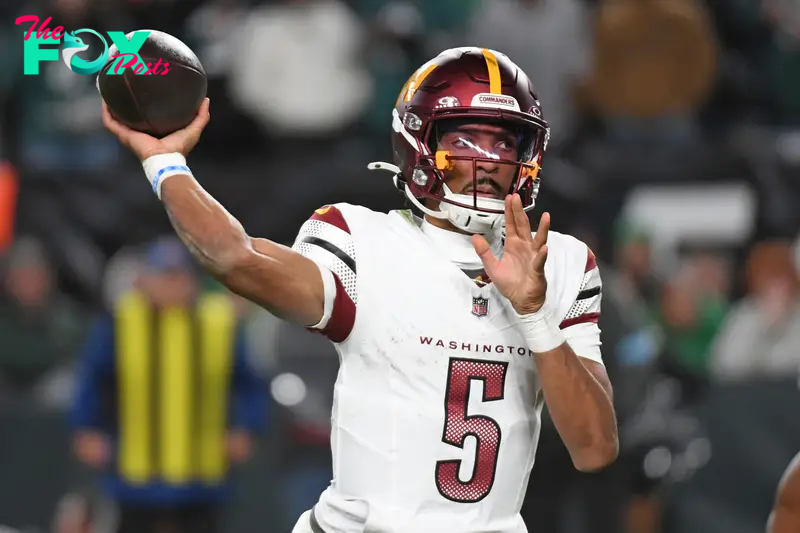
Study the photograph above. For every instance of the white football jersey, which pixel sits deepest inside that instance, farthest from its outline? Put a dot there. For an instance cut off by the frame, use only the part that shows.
(437, 403)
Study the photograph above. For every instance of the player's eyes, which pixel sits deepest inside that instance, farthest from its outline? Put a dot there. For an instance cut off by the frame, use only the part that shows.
(506, 145)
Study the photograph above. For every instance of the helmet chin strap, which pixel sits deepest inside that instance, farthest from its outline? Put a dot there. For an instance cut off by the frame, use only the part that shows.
(470, 220)
(463, 218)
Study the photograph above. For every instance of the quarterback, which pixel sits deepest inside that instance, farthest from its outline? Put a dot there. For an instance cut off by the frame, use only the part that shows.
(454, 323)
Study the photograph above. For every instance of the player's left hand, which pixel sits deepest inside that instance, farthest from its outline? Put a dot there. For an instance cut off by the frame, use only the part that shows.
(519, 274)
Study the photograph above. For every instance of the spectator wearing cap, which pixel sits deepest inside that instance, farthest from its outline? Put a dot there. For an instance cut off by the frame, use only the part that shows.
(167, 399)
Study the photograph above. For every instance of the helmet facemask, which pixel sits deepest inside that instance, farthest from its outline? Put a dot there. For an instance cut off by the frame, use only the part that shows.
(469, 165)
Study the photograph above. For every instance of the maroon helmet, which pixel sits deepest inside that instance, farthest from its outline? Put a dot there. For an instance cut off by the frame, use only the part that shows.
(466, 85)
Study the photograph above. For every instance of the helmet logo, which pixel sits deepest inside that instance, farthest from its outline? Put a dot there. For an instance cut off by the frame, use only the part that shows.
(448, 101)
(412, 121)
(420, 178)
(495, 100)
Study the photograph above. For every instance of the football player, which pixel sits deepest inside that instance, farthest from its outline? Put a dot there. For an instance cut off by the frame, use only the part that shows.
(454, 322)
(785, 516)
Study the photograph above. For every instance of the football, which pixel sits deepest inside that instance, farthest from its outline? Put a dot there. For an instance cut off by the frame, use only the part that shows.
(160, 96)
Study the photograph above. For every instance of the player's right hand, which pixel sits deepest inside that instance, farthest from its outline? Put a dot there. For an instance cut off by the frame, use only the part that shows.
(519, 273)
(144, 145)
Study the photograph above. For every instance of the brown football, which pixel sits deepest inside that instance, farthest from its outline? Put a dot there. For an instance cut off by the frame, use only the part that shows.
(162, 101)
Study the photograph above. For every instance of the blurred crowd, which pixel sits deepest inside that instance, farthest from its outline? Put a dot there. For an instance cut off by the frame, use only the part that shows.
(675, 154)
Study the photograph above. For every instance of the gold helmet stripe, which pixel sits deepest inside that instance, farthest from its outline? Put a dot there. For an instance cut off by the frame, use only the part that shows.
(413, 83)
(495, 84)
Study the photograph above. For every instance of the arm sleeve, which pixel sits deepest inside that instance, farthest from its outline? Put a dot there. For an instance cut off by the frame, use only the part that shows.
(580, 324)
(325, 238)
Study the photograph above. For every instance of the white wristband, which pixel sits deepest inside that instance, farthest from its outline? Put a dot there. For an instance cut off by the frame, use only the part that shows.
(159, 167)
(540, 330)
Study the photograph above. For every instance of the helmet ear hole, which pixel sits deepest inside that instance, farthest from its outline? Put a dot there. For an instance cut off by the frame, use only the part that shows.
(399, 182)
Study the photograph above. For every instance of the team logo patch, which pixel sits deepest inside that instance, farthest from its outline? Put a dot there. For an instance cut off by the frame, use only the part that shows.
(480, 306)
(322, 210)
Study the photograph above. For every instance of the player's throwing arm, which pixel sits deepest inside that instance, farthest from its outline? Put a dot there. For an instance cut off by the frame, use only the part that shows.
(283, 281)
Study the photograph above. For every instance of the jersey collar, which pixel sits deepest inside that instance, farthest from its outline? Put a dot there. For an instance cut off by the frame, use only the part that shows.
(457, 247)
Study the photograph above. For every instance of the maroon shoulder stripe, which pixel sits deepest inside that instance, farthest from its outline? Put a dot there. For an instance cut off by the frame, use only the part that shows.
(332, 216)
(591, 261)
(583, 319)
(343, 316)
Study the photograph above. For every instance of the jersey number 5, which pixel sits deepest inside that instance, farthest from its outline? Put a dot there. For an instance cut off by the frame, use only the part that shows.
(458, 424)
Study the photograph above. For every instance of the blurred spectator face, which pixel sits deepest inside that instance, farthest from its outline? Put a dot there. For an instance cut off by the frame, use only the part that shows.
(168, 278)
(678, 305)
(633, 251)
(30, 286)
(169, 288)
(771, 271)
(634, 258)
(712, 275)
(29, 277)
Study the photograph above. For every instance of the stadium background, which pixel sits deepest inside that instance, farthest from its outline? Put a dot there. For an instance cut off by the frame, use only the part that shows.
(675, 154)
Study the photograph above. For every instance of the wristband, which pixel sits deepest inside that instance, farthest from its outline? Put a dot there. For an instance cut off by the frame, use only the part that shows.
(159, 167)
(540, 330)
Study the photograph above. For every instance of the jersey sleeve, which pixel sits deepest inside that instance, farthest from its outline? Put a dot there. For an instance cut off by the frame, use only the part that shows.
(580, 323)
(325, 238)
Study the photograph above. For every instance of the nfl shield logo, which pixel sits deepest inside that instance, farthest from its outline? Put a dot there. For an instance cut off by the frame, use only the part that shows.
(480, 306)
